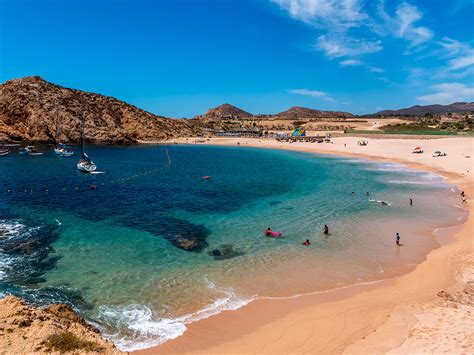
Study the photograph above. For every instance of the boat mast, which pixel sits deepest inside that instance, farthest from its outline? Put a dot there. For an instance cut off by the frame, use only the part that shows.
(58, 127)
(83, 144)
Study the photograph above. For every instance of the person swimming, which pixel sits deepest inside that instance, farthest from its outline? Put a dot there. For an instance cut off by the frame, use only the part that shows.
(326, 229)
(307, 242)
(268, 231)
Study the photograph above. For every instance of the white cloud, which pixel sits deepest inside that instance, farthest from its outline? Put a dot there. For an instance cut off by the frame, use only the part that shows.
(375, 69)
(323, 13)
(461, 62)
(312, 93)
(459, 55)
(402, 24)
(350, 63)
(336, 46)
(448, 93)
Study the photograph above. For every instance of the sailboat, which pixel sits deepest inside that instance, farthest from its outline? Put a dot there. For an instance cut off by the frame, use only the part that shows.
(61, 150)
(85, 164)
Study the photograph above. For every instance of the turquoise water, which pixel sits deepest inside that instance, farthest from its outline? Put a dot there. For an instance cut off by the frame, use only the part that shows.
(112, 244)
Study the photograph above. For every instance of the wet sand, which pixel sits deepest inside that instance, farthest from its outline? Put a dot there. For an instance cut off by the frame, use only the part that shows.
(398, 315)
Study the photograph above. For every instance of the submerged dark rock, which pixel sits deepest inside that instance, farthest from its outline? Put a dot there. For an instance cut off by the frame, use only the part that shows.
(31, 249)
(226, 251)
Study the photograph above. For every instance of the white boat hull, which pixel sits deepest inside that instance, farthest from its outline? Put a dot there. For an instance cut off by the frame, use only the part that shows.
(86, 167)
(63, 153)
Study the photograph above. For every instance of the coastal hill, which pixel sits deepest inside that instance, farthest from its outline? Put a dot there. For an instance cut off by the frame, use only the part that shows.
(31, 107)
(227, 111)
(224, 111)
(457, 107)
(303, 112)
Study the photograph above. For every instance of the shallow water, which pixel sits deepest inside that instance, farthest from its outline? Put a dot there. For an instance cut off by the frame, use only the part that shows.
(111, 244)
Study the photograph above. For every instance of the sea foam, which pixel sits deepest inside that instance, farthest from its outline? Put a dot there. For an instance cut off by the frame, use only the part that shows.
(139, 328)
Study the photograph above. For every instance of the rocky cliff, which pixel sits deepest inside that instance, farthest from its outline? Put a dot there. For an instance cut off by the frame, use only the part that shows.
(35, 110)
(57, 328)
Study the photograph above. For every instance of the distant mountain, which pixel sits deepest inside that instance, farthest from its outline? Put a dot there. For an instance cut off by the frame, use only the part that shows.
(29, 107)
(303, 112)
(225, 111)
(457, 107)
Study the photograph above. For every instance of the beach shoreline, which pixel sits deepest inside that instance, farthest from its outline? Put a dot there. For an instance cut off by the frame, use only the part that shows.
(376, 317)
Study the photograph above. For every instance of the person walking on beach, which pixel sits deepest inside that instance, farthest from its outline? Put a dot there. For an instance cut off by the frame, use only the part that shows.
(411, 202)
(326, 229)
(464, 199)
(397, 239)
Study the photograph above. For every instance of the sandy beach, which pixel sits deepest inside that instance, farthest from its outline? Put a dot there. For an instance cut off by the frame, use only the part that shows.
(429, 309)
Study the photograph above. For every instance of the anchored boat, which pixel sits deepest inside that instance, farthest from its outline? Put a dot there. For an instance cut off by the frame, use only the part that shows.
(85, 164)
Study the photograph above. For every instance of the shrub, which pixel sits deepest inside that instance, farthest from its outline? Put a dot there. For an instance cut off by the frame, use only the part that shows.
(66, 341)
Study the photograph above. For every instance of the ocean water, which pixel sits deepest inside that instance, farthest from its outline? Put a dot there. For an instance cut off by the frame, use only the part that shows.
(111, 244)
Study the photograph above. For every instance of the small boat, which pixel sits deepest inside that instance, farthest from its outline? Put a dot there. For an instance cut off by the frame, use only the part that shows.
(4, 152)
(63, 150)
(85, 164)
(29, 150)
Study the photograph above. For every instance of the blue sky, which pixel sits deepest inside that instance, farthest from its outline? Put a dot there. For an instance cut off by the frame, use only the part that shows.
(180, 57)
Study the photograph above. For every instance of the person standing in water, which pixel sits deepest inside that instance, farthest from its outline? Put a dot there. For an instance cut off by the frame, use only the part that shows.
(307, 242)
(397, 239)
(326, 229)
(411, 202)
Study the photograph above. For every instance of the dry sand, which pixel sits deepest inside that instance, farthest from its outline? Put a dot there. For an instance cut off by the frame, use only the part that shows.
(400, 315)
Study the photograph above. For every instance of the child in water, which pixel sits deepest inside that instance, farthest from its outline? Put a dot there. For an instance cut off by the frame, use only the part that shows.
(307, 242)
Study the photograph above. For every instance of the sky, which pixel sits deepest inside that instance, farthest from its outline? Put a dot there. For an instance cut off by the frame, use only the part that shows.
(178, 58)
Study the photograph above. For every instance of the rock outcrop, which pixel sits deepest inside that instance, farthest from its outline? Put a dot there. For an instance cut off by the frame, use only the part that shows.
(57, 328)
(35, 110)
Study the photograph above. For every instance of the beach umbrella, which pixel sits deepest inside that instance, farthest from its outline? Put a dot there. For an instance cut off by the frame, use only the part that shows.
(417, 148)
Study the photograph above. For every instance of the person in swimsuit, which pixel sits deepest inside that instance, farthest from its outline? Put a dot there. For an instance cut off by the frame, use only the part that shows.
(397, 239)
(326, 229)
(307, 242)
